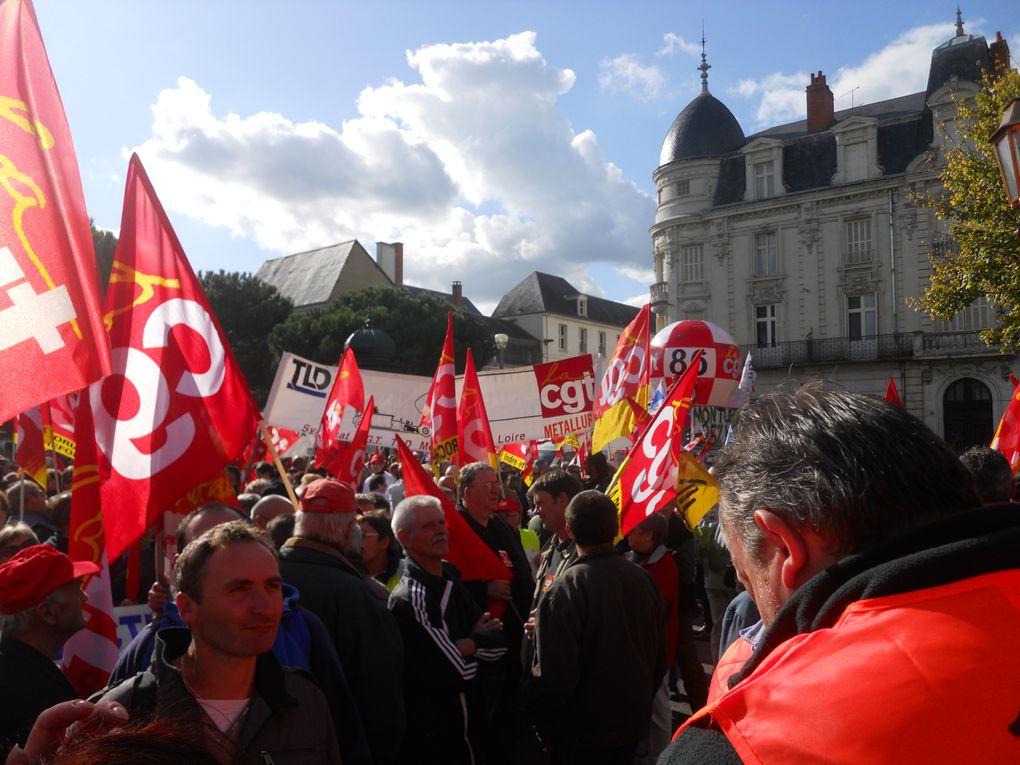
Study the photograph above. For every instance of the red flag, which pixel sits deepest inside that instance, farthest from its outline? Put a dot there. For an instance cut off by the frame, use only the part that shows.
(31, 451)
(647, 479)
(51, 333)
(441, 404)
(1007, 435)
(58, 432)
(347, 396)
(522, 457)
(1013, 381)
(90, 655)
(347, 465)
(466, 551)
(474, 438)
(626, 380)
(177, 408)
(892, 396)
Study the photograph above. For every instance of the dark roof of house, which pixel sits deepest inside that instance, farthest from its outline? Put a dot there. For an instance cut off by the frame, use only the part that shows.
(466, 304)
(308, 278)
(545, 293)
(705, 128)
(965, 56)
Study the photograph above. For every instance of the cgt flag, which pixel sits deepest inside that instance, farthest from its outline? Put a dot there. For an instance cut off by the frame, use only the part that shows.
(177, 408)
(347, 396)
(473, 435)
(647, 479)
(441, 404)
(625, 383)
(51, 333)
(697, 490)
(347, 465)
(1007, 435)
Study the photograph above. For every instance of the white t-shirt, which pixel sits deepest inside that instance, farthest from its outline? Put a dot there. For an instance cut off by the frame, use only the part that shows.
(223, 712)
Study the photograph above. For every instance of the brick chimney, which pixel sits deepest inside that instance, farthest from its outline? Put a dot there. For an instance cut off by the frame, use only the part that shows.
(819, 104)
(998, 52)
(458, 295)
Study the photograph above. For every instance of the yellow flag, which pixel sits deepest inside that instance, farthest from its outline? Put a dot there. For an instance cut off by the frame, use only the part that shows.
(697, 490)
(626, 377)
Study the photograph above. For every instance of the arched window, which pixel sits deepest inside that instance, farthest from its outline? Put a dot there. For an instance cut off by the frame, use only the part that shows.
(967, 414)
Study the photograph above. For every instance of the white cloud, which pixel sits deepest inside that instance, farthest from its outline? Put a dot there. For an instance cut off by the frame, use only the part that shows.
(674, 43)
(626, 74)
(472, 165)
(897, 69)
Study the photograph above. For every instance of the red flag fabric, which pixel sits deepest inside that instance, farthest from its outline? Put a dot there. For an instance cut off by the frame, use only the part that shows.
(467, 551)
(440, 413)
(474, 438)
(90, 655)
(176, 409)
(1007, 435)
(623, 392)
(522, 457)
(30, 454)
(347, 465)
(58, 433)
(346, 396)
(51, 332)
(647, 480)
(892, 396)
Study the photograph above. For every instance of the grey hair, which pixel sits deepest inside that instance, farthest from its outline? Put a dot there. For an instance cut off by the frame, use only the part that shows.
(13, 625)
(406, 510)
(323, 527)
(17, 529)
(849, 467)
(468, 473)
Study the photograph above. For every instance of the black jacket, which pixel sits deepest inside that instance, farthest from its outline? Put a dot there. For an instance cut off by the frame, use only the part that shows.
(365, 634)
(440, 684)
(287, 721)
(31, 683)
(600, 641)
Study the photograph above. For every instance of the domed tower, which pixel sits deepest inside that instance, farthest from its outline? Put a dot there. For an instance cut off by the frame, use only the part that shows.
(685, 181)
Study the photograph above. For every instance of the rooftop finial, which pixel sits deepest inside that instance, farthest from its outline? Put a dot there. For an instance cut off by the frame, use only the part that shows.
(705, 66)
(959, 22)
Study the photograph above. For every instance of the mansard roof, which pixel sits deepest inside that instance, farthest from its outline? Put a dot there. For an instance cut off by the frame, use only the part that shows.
(545, 293)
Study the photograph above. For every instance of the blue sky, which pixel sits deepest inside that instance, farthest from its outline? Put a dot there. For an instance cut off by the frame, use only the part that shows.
(492, 138)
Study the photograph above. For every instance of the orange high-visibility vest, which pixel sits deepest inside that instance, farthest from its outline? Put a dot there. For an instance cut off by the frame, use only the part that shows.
(927, 676)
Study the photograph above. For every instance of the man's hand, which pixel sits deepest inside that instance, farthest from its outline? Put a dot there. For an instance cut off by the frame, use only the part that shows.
(69, 719)
(529, 626)
(466, 646)
(485, 623)
(158, 596)
(499, 589)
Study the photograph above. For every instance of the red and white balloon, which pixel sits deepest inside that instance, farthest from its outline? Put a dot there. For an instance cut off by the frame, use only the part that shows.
(719, 374)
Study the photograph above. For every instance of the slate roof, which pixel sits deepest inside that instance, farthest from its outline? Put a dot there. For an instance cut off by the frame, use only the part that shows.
(965, 56)
(705, 128)
(448, 297)
(545, 293)
(308, 278)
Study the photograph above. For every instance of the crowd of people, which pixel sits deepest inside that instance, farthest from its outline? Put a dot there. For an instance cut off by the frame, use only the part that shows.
(873, 613)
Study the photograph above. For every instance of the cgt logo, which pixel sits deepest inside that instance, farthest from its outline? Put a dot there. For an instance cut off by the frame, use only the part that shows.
(565, 387)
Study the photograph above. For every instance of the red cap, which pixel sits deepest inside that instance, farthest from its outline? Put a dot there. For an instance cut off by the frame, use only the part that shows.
(35, 572)
(328, 496)
(508, 505)
(377, 458)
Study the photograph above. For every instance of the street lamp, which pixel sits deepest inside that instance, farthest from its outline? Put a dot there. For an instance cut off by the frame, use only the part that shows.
(502, 339)
(1006, 140)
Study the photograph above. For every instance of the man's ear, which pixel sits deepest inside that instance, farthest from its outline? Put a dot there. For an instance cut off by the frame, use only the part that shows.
(788, 543)
(187, 606)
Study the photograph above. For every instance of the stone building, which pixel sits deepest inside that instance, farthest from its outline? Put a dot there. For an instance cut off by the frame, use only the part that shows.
(802, 241)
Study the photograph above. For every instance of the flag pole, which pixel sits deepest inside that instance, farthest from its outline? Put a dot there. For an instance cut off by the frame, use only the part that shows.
(279, 465)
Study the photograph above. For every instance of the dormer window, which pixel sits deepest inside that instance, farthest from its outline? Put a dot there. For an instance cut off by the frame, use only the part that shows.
(763, 165)
(582, 305)
(764, 180)
(857, 161)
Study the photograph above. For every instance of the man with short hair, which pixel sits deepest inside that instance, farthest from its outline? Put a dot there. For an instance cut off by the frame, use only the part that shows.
(221, 671)
(365, 635)
(991, 473)
(30, 495)
(600, 645)
(889, 605)
(445, 636)
(40, 608)
(269, 507)
(377, 467)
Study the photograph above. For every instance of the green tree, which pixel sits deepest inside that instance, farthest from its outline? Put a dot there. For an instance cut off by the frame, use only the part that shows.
(986, 257)
(416, 322)
(248, 309)
(105, 245)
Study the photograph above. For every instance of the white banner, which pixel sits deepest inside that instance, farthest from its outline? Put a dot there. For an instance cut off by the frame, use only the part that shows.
(548, 400)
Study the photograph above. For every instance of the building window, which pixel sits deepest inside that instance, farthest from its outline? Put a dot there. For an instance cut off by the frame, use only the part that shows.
(978, 315)
(765, 325)
(563, 337)
(692, 263)
(582, 340)
(764, 180)
(683, 188)
(693, 315)
(766, 254)
(602, 343)
(862, 321)
(582, 305)
(858, 241)
(856, 157)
